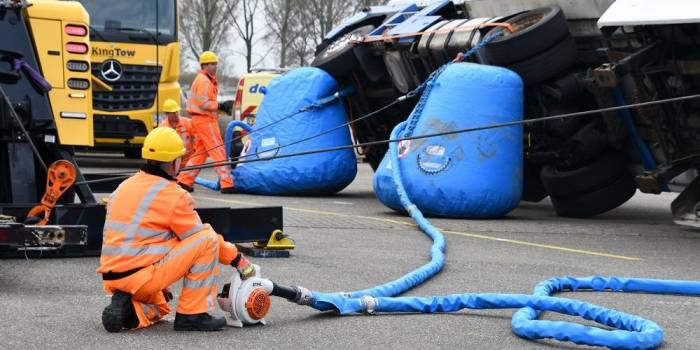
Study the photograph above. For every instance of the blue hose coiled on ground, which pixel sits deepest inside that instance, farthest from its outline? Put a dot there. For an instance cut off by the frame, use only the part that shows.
(630, 331)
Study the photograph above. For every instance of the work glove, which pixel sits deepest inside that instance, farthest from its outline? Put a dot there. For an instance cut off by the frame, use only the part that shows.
(243, 266)
(226, 106)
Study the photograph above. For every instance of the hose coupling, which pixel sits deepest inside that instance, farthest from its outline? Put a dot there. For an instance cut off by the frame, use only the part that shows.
(369, 304)
(411, 208)
(303, 296)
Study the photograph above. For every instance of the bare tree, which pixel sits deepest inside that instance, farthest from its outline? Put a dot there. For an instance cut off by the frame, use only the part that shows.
(281, 18)
(324, 15)
(203, 25)
(314, 19)
(242, 15)
(297, 27)
(366, 3)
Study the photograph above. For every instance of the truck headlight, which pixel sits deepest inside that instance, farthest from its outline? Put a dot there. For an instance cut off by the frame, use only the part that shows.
(78, 84)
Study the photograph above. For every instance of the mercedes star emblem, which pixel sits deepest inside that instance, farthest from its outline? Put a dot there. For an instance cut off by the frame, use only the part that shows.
(111, 70)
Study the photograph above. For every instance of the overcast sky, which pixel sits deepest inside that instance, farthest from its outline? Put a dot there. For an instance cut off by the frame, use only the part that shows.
(237, 47)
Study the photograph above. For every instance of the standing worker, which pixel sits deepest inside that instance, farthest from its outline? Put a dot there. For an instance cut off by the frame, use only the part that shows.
(182, 125)
(153, 238)
(203, 108)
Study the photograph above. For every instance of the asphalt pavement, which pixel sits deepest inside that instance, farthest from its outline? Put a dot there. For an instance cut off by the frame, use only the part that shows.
(351, 241)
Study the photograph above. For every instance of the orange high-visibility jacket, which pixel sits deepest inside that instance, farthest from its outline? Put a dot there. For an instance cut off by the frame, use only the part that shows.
(203, 93)
(147, 216)
(184, 129)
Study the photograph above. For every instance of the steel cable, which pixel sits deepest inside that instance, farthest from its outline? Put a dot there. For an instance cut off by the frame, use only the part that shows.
(415, 137)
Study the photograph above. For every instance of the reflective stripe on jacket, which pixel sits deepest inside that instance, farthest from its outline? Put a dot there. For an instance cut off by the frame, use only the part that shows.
(146, 217)
(203, 93)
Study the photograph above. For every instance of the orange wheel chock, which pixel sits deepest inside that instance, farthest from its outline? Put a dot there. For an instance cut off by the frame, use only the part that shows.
(60, 177)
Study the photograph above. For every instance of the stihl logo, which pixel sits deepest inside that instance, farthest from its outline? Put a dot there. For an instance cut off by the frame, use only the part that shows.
(96, 51)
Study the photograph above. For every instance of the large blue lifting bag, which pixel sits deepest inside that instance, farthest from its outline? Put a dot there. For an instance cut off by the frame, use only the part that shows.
(467, 175)
(313, 174)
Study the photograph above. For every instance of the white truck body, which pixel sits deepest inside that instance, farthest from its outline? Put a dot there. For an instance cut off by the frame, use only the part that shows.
(647, 12)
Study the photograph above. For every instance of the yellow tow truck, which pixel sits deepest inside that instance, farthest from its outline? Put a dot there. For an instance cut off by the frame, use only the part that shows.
(135, 58)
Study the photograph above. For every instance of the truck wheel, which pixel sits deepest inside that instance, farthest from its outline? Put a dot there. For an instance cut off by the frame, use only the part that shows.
(566, 127)
(372, 66)
(533, 189)
(579, 181)
(596, 202)
(235, 148)
(375, 155)
(132, 153)
(565, 90)
(338, 58)
(223, 121)
(547, 64)
(536, 31)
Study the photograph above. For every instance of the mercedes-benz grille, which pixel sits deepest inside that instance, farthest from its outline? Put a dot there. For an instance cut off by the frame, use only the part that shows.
(134, 90)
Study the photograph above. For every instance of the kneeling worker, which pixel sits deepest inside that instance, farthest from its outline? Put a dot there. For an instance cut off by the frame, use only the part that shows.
(153, 238)
(182, 125)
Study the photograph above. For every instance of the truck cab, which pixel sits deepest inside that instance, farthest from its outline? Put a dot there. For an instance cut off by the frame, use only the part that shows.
(135, 62)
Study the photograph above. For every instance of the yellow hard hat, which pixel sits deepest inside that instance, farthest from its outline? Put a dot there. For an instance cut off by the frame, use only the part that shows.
(162, 144)
(170, 106)
(208, 57)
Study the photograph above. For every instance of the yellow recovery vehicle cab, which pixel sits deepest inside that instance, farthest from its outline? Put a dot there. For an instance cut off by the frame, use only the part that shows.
(135, 67)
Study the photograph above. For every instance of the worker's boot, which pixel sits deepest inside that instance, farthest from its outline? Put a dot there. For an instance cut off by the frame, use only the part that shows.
(120, 313)
(199, 322)
(229, 190)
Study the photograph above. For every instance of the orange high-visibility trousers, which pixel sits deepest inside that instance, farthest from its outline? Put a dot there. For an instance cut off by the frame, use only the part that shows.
(194, 258)
(207, 143)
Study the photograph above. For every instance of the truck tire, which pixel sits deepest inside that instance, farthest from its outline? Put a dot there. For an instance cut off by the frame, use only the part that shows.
(536, 31)
(566, 127)
(374, 155)
(565, 90)
(596, 202)
(533, 189)
(579, 181)
(338, 58)
(235, 149)
(223, 121)
(372, 66)
(547, 64)
(132, 153)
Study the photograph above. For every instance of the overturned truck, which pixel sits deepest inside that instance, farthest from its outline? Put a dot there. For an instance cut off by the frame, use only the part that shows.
(572, 57)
